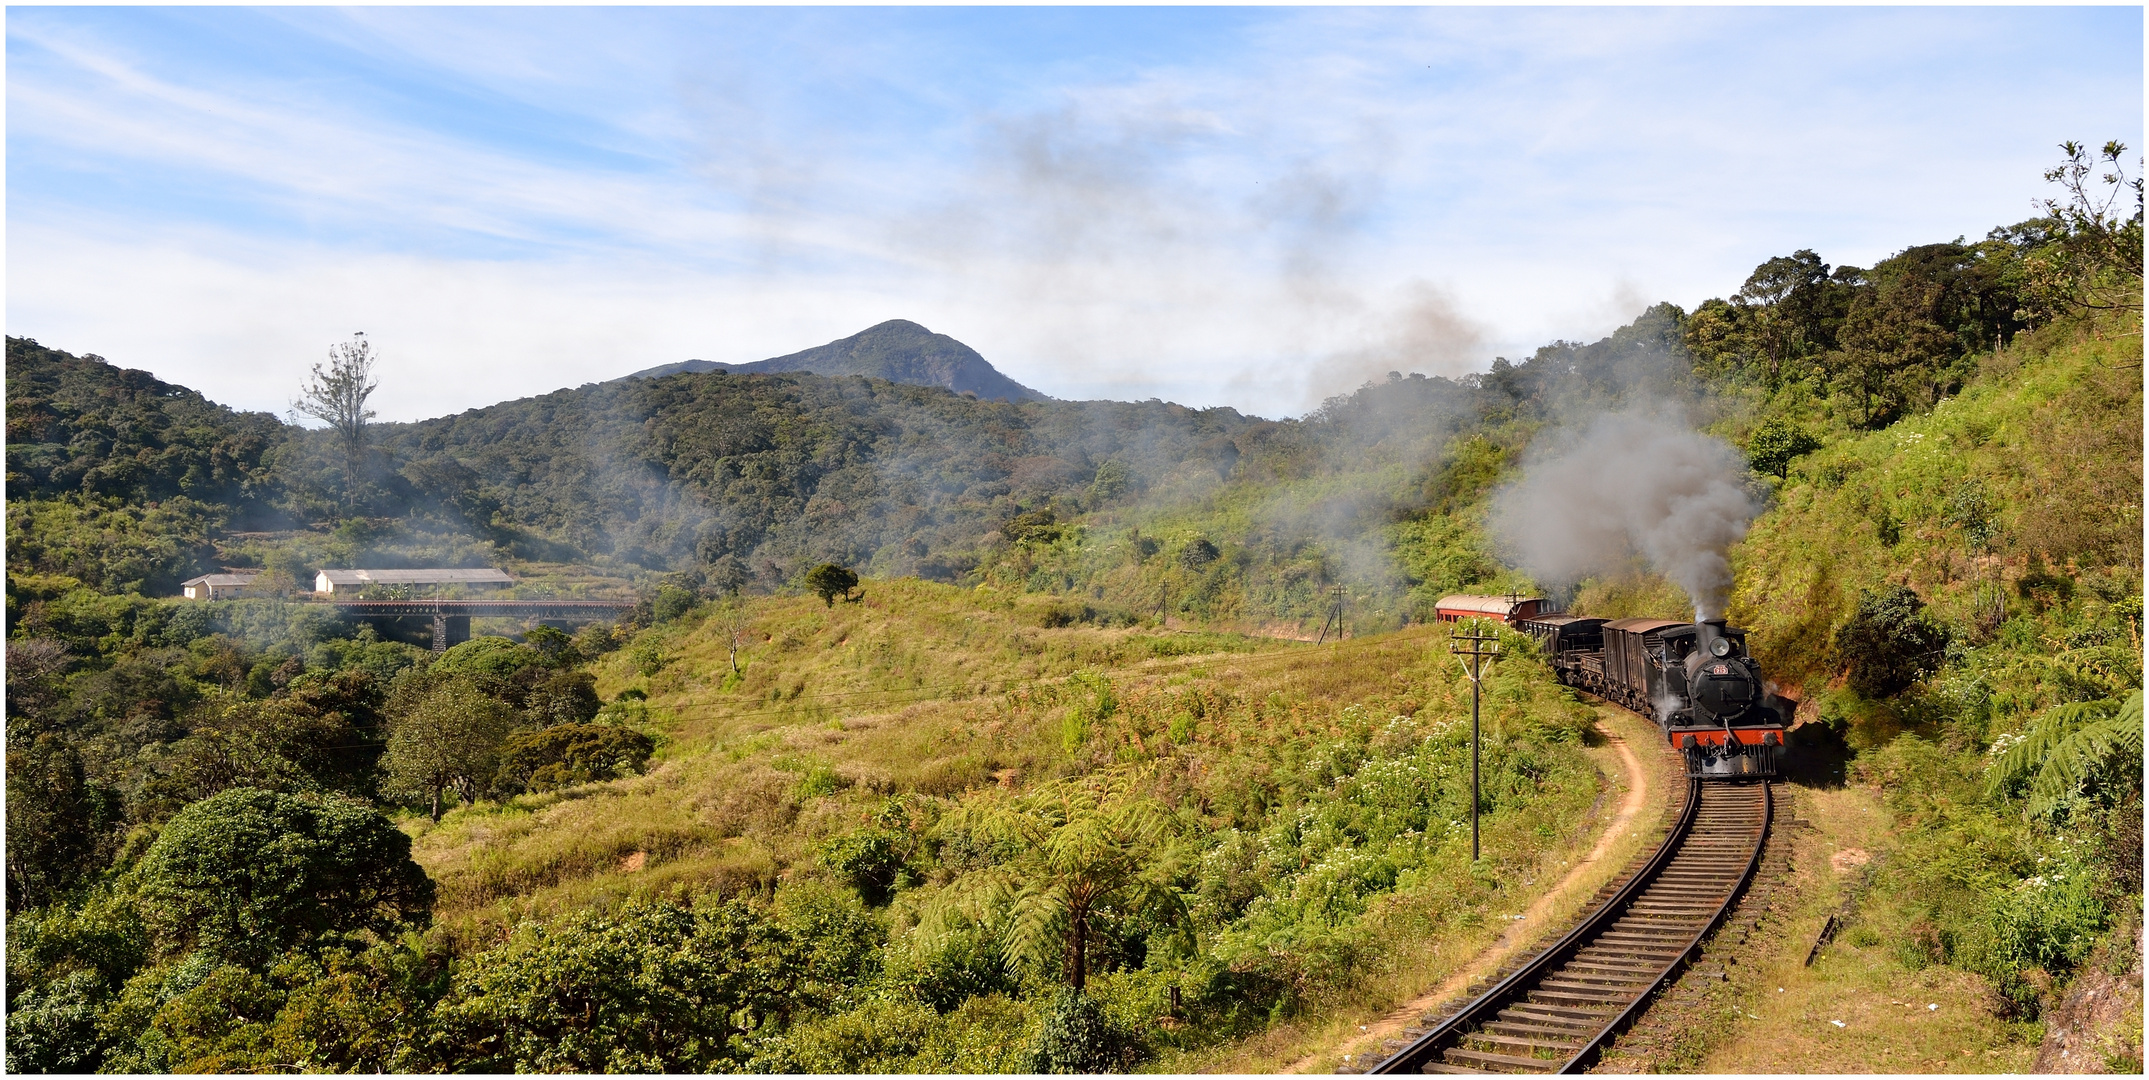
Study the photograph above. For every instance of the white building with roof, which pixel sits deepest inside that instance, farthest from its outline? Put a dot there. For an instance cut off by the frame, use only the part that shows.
(218, 586)
(329, 582)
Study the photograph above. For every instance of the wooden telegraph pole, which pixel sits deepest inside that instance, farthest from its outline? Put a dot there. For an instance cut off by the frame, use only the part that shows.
(1335, 616)
(1476, 648)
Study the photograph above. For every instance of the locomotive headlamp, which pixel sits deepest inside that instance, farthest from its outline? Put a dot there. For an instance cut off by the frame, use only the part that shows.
(1720, 647)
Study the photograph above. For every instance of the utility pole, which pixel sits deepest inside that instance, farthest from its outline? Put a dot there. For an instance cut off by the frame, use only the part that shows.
(1476, 648)
(1335, 615)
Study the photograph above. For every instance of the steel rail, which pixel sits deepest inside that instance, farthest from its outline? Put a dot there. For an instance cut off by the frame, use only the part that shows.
(1573, 998)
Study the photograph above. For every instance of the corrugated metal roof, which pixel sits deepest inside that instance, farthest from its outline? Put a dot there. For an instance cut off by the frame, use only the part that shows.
(481, 576)
(220, 580)
(1489, 605)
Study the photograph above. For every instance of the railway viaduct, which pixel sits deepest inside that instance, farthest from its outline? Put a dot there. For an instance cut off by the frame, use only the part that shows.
(451, 618)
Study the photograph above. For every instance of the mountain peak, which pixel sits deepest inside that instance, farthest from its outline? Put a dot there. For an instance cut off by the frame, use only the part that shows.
(897, 350)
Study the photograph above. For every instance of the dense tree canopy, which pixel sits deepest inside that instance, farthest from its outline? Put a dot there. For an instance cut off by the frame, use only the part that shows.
(80, 426)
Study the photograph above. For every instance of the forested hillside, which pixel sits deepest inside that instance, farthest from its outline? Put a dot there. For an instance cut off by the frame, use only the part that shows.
(898, 350)
(1050, 787)
(751, 475)
(744, 481)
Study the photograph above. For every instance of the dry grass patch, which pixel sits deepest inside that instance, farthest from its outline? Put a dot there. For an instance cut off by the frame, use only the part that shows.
(932, 692)
(1787, 1015)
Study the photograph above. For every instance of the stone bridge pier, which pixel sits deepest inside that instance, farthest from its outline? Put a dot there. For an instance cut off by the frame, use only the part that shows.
(449, 631)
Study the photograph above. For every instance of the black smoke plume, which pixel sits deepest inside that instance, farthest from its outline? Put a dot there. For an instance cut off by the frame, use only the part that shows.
(1632, 484)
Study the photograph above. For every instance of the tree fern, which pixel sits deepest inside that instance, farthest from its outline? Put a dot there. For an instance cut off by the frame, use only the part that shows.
(1077, 846)
(2063, 752)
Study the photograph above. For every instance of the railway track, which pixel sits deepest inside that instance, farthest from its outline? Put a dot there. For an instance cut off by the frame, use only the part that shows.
(1556, 1012)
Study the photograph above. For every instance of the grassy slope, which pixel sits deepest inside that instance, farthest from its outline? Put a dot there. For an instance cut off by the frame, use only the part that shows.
(897, 693)
(1784, 1010)
(2052, 441)
(932, 691)
(2050, 434)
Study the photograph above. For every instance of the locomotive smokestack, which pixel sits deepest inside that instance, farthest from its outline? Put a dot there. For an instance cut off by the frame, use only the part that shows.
(1632, 484)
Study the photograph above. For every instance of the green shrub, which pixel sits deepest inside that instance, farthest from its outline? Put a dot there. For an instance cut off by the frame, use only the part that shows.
(829, 581)
(1890, 642)
(869, 860)
(1077, 1037)
(672, 602)
(880, 1036)
(495, 656)
(948, 968)
(1197, 553)
(567, 697)
(568, 754)
(1033, 527)
(2049, 920)
(650, 987)
(1063, 612)
(1777, 443)
(246, 874)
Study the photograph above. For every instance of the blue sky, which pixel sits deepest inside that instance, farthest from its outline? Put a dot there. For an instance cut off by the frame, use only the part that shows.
(1252, 207)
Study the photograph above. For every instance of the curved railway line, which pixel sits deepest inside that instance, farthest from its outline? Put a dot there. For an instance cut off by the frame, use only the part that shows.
(1560, 1009)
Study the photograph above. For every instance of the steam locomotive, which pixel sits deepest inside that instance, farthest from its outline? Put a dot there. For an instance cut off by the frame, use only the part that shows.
(1696, 680)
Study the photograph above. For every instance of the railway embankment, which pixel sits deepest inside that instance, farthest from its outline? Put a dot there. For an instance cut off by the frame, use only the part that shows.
(1644, 787)
(1984, 787)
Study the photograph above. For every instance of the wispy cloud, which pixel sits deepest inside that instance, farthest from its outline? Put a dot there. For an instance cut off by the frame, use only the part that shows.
(1243, 207)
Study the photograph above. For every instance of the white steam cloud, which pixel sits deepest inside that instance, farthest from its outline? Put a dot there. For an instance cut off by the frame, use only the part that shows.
(1634, 483)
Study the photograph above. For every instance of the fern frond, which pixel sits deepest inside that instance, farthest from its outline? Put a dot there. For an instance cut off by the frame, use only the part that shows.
(2046, 734)
(1039, 929)
(2077, 758)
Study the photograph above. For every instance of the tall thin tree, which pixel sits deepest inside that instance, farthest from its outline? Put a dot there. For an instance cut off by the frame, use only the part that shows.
(336, 396)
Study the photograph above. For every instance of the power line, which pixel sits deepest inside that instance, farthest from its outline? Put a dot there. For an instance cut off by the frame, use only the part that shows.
(1475, 649)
